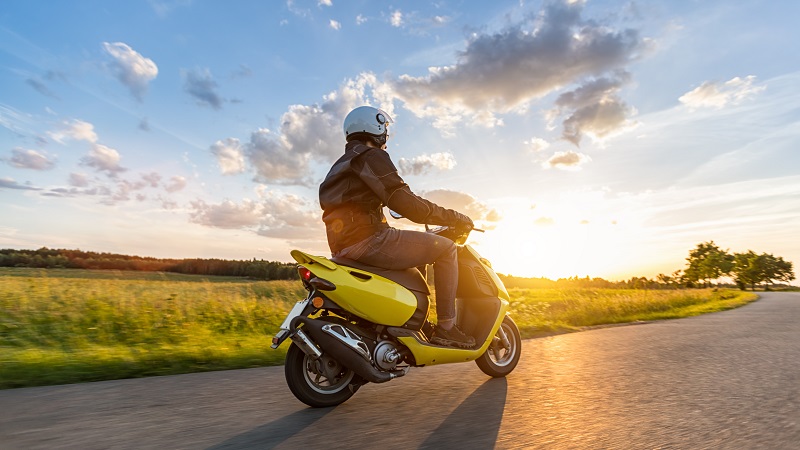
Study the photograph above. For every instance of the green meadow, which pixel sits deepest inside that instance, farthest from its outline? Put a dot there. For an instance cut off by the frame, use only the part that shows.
(66, 326)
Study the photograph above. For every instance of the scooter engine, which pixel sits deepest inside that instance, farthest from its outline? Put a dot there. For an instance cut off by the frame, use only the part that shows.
(386, 355)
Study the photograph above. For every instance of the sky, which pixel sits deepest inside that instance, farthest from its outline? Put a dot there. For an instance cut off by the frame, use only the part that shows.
(588, 138)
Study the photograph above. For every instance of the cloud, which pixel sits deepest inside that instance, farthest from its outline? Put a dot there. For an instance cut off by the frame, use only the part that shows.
(131, 69)
(76, 130)
(275, 214)
(420, 165)
(177, 183)
(537, 144)
(164, 7)
(335, 24)
(718, 95)
(360, 19)
(568, 160)
(325, 3)
(200, 84)
(230, 156)
(243, 71)
(144, 124)
(103, 159)
(396, 19)
(78, 180)
(544, 221)
(463, 203)
(505, 71)
(152, 179)
(594, 109)
(9, 183)
(310, 132)
(30, 159)
(41, 88)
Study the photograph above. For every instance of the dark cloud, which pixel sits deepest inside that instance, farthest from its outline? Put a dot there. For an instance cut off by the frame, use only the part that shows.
(200, 84)
(505, 71)
(9, 183)
(41, 88)
(30, 159)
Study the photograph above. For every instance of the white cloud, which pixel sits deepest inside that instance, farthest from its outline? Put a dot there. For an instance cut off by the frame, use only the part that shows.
(396, 19)
(76, 130)
(30, 159)
(230, 156)
(164, 7)
(325, 3)
(275, 214)
(103, 159)
(335, 24)
(200, 84)
(505, 71)
(463, 203)
(718, 95)
(177, 183)
(310, 132)
(537, 144)
(420, 165)
(568, 160)
(360, 19)
(132, 69)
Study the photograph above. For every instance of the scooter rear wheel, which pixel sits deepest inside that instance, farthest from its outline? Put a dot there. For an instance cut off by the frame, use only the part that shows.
(502, 355)
(319, 383)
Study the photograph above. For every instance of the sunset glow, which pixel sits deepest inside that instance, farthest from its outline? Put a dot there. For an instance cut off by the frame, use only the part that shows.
(589, 138)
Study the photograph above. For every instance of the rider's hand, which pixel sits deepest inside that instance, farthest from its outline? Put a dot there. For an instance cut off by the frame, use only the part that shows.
(463, 222)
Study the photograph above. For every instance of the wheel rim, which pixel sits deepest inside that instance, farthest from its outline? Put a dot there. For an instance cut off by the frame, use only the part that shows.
(499, 354)
(321, 383)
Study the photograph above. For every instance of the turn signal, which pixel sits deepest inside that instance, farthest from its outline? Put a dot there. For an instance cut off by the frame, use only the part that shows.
(317, 302)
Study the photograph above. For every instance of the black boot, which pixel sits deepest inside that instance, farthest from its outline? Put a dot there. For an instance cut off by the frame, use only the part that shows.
(453, 337)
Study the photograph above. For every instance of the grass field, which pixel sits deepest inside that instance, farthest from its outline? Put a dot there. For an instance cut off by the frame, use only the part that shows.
(63, 326)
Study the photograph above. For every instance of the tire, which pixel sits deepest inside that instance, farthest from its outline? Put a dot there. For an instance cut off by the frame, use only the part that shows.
(313, 388)
(499, 360)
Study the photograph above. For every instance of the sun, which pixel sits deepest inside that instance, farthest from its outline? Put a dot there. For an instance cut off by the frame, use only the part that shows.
(549, 241)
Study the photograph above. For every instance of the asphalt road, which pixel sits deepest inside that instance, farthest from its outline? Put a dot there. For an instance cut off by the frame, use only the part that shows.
(724, 380)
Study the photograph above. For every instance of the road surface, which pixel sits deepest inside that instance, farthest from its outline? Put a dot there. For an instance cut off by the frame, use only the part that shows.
(724, 380)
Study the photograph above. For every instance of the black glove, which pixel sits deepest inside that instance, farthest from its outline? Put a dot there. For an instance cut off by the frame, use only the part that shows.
(463, 222)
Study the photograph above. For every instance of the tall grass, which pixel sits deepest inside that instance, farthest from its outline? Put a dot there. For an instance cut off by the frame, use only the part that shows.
(58, 327)
(78, 329)
(538, 311)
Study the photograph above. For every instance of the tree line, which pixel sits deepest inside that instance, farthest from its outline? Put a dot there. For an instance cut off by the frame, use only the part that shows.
(705, 263)
(78, 259)
(708, 262)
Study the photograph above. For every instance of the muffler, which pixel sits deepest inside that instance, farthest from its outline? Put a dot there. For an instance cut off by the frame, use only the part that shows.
(350, 354)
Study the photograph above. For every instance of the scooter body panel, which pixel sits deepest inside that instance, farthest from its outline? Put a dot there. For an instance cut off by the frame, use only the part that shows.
(364, 294)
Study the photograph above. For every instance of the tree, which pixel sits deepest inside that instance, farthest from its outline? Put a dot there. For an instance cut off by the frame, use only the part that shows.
(751, 269)
(708, 262)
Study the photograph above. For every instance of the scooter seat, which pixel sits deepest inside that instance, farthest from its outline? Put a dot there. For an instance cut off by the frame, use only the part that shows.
(411, 278)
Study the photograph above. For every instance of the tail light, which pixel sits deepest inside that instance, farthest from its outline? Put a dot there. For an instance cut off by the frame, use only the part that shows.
(305, 274)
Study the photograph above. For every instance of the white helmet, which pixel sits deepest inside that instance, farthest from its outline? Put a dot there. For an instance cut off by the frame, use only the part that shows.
(367, 122)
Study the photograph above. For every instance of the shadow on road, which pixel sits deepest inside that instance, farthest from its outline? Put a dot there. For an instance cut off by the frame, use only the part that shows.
(476, 421)
(271, 434)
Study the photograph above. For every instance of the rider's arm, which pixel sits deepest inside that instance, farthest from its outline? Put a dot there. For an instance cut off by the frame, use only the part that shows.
(380, 174)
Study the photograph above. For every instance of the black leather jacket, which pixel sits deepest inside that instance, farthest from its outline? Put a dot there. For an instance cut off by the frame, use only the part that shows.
(356, 189)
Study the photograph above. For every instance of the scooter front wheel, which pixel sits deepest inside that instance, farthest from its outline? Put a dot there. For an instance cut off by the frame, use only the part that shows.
(503, 353)
(320, 383)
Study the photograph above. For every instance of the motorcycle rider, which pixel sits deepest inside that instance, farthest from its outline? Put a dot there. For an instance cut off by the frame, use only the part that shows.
(352, 197)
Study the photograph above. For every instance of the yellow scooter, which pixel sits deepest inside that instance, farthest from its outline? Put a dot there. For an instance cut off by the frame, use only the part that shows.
(363, 324)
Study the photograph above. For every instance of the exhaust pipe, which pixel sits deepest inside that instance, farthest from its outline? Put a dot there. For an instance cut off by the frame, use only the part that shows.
(343, 353)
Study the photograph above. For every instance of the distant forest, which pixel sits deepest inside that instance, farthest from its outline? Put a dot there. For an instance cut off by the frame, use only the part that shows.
(77, 259)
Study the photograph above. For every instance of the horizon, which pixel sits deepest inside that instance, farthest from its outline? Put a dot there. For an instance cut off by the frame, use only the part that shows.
(586, 137)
